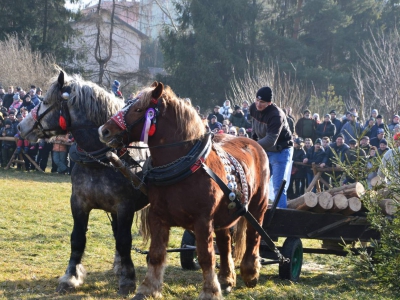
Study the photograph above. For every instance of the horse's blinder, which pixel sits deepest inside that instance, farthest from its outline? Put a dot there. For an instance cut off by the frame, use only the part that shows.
(64, 119)
(149, 118)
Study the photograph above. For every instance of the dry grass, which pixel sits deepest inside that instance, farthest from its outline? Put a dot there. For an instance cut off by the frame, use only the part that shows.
(35, 225)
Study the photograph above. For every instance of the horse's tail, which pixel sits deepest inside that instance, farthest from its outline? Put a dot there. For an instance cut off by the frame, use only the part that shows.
(240, 239)
(144, 224)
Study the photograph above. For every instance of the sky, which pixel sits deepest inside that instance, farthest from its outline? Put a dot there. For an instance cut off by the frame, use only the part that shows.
(81, 3)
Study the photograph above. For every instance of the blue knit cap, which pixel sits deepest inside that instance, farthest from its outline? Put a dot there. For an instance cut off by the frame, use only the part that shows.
(116, 83)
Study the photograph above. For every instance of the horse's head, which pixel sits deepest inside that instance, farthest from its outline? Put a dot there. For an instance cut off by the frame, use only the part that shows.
(135, 121)
(49, 117)
(69, 104)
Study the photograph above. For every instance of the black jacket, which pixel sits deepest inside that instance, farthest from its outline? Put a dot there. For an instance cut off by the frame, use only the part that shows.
(326, 129)
(271, 128)
(298, 156)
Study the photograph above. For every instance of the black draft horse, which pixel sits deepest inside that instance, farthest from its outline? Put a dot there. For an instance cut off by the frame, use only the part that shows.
(80, 107)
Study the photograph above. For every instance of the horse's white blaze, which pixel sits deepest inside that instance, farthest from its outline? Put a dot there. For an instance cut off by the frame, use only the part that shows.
(74, 281)
(211, 288)
(152, 284)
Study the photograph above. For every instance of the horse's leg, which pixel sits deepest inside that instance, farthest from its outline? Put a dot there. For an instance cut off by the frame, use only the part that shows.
(123, 245)
(250, 264)
(152, 283)
(117, 257)
(226, 274)
(206, 257)
(75, 272)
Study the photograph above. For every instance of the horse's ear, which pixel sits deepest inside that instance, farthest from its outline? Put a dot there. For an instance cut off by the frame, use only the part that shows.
(154, 84)
(158, 91)
(61, 80)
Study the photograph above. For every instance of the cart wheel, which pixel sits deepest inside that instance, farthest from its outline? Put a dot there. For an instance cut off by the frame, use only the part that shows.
(189, 258)
(293, 249)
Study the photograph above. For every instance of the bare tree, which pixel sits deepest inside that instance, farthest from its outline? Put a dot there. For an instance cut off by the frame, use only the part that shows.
(287, 91)
(378, 77)
(21, 66)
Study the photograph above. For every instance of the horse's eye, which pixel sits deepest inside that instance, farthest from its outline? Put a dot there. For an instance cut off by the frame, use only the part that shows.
(138, 110)
(45, 102)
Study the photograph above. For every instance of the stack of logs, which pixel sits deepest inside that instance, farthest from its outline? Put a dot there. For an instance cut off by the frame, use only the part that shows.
(344, 200)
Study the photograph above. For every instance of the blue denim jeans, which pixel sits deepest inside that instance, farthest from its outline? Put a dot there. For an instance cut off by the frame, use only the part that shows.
(280, 165)
(59, 159)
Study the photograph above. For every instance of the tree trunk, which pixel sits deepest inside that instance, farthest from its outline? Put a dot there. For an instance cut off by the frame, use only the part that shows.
(353, 207)
(388, 207)
(352, 190)
(325, 202)
(340, 203)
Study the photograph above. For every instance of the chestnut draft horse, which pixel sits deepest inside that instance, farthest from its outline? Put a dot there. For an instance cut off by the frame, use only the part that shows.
(72, 104)
(181, 193)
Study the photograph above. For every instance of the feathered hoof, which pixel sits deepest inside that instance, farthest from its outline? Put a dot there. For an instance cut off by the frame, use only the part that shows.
(226, 288)
(64, 288)
(139, 297)
(126, 289)
(251, 283)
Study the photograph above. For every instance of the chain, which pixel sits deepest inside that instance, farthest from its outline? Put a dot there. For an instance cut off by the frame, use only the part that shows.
(109, 165)
(281, 258)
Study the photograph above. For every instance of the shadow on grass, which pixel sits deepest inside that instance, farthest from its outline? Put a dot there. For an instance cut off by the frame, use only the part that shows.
(34, 176)
(98, 285)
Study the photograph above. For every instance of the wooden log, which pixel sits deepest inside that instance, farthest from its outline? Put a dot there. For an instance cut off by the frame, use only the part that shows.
(340, 203)
(325, 202)
(8, 138)
(354, 205)
(376, 181)
(352, 190)
(388, 207)
(305, 202)
(114, 159)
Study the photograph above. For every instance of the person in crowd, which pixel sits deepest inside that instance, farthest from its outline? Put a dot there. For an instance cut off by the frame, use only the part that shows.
(8, 98)
(289, 112)
(225, 128)
(44, 150)
(326, 141)
(22, 94)
(315, 155)
(352, 129)
(327, 128)
(290, 121)
(2, 93)
(383, 147)
(305, 126)
(16, 103)
(34, 98)
(226, 110)
(115, 89)
(220, 118)
(339, 150)
(28, 104)
(371, 129)
(242, 132)
(245, 109)
(389, 167)
(233, 131)
(307, 144)
(372, 165)
(316, 118)
(39, 93)
(271, 129)
(364, 144)
(238, 119)
(8, 147)
(355, 157)
(379, 136)
(298, 174)
(381, 124)
(214, 125)
(395, 121)
(60, 153)
(346, 118)
(374, 114)
(396, 129)
(336, 122)
(12, 118)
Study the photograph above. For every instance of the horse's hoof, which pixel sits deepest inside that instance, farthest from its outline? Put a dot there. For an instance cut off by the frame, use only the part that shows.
(139, 297)
(252, 283)
(126, 289)
(226, 288)
(64, 288)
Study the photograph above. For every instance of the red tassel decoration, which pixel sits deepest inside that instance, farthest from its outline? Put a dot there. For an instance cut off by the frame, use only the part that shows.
(63, 123)
(152, 130)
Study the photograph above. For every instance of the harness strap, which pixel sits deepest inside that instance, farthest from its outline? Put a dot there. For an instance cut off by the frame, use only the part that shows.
(242, 211)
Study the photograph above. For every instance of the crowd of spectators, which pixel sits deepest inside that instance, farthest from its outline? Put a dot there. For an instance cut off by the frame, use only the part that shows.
(327, 142)
(15, 104)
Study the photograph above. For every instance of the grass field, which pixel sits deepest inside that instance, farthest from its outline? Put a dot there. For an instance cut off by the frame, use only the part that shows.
(35, 225)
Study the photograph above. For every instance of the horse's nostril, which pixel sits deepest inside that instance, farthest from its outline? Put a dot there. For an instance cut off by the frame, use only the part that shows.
(105, 132)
